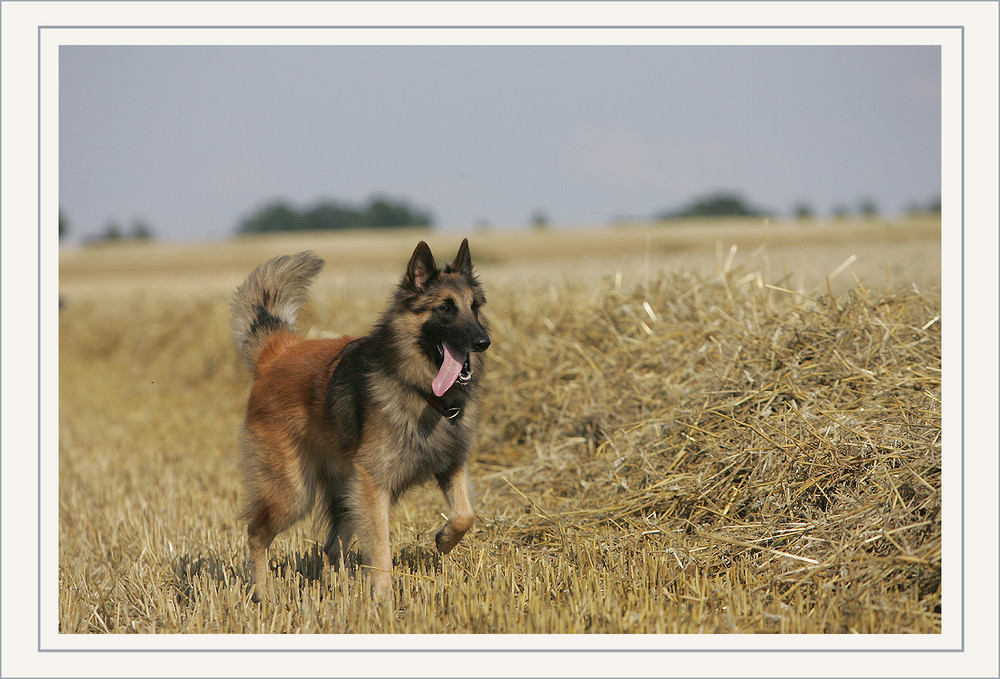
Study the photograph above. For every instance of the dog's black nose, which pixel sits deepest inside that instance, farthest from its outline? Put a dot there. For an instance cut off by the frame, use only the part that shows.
(481, 344)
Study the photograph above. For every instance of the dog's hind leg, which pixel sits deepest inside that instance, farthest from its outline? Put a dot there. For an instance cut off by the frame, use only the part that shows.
(260, 535)
(455, 487)
(274, 509)
(275, 500)
(338, 534)
(369, 507)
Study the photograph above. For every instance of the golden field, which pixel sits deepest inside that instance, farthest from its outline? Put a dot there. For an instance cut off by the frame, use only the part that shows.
(695, 428)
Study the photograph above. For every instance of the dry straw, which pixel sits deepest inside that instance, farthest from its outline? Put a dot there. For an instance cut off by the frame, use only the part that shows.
(696, 454)
(734, 423)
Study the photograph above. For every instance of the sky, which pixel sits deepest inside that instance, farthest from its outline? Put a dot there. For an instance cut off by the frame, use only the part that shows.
(191, 139)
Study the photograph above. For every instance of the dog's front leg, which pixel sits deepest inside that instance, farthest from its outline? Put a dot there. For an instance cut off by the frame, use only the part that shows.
(371, 520)
(455, 487)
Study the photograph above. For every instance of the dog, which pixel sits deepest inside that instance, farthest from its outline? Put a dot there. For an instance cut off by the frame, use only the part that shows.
(351, 423)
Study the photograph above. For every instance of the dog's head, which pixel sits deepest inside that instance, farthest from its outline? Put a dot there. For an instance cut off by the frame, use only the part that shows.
(447, 302)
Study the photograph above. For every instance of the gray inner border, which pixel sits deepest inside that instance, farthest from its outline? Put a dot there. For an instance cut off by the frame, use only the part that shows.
(962, 614)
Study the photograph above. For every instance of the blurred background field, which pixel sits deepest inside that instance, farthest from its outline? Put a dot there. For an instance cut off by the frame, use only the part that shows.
(724, 427)
(889, 253)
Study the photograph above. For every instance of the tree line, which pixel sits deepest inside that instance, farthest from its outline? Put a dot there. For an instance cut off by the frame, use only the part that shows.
(379, 213)
(277, 216)
(732, 204)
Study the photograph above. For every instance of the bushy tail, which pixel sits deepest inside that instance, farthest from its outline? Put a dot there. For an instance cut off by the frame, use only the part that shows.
(269, 299)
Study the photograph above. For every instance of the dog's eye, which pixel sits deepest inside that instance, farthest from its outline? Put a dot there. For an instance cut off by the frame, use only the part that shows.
(447, 306)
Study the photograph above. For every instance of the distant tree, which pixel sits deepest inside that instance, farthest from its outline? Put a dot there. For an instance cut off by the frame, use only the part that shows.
(383, 213)
(277, 216)
(112, 231)
(63, 224)
(718, 204)
(539, 220)
(330, 216)
(802, 210)
(867, 207)
(141, 230)
(932, 207)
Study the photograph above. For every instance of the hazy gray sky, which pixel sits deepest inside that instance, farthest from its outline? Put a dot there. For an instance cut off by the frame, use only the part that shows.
(191, 139)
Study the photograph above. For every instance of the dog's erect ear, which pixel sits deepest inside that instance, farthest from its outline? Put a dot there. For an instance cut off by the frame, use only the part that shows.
(463, 260)
(421, 268)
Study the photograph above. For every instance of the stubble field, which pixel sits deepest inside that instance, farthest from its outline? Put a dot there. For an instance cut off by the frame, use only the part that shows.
(718, 428)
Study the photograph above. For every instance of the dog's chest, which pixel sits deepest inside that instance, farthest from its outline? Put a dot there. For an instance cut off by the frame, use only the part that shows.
(418, 444)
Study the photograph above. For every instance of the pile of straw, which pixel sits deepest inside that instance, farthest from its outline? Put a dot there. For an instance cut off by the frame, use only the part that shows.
(734, 423)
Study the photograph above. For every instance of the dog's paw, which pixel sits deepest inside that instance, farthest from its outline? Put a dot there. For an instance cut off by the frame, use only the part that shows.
(444, 542)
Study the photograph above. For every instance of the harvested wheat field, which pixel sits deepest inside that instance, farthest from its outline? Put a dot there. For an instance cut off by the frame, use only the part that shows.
(679, 437)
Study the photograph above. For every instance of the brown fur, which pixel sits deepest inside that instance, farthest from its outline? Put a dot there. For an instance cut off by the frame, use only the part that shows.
(347, 421)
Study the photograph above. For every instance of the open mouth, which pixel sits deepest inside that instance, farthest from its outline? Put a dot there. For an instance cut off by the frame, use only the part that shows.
(465, 376)
(455, 367)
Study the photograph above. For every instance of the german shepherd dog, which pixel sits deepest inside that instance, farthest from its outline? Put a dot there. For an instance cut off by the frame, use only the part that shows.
(351, 423)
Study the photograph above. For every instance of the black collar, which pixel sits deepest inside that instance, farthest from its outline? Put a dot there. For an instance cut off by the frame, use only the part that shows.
(453, 414)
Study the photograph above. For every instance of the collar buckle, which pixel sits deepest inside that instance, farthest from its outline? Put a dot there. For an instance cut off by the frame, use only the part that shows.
(452, 414)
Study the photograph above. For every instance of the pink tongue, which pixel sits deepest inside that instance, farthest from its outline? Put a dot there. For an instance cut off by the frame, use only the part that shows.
(451, 368)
